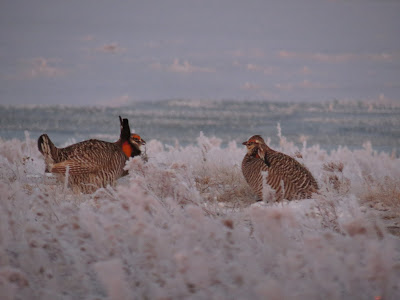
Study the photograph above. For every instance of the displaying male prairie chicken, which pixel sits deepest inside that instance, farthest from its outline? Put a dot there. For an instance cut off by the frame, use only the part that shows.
(289, 178)
(93, 163)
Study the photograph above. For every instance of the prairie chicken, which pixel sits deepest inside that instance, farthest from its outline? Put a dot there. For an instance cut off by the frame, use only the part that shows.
(289, 178)
(93, 163)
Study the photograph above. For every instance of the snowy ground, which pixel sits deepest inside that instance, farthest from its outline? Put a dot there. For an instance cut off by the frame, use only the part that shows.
(184, 225)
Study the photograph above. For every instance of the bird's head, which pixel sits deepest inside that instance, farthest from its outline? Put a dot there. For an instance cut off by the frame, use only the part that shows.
(130, 143)
(137, 141)
(253, 144)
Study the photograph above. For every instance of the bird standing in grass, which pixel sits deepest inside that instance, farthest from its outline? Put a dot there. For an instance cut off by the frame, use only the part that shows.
(93, 163)
(290, 179)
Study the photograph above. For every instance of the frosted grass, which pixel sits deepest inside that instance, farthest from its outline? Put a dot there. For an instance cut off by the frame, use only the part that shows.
(183, 225)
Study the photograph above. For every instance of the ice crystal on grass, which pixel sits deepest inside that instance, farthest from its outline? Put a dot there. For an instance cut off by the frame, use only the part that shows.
(184, 225)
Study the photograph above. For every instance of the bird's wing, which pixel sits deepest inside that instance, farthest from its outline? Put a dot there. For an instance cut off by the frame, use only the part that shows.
(74, 167)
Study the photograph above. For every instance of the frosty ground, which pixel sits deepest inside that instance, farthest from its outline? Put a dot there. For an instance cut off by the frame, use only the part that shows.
(184, 225)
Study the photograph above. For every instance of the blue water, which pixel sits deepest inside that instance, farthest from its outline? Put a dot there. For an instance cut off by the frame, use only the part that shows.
(329, 124)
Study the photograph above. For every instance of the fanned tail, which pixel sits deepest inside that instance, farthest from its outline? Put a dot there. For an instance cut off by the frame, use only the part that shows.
(48, 150)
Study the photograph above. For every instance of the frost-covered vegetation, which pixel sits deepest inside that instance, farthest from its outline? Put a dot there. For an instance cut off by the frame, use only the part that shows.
(183, 225)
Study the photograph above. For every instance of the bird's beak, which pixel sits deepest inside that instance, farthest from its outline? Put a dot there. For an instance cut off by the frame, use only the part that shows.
(143, 142)
(244, 143)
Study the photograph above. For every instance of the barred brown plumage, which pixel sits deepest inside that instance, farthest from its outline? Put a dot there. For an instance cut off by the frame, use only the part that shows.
(285, 175)
(93, 163)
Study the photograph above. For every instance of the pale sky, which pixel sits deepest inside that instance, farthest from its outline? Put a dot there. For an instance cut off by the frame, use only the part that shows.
(89, 52)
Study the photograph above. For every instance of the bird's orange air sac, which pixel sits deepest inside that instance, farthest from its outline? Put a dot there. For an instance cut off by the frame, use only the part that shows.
(127, 148)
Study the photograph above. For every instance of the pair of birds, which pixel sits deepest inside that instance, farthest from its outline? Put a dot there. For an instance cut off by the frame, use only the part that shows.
(93, 164)
(285, 175)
